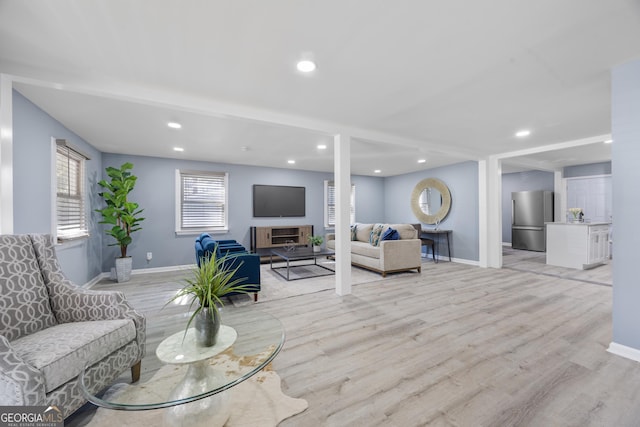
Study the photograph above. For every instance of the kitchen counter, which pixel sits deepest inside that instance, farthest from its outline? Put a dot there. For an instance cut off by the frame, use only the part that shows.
(579, 224)
(580, 245)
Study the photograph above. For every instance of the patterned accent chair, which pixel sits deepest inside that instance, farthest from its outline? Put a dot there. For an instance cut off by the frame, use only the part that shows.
(50, 330)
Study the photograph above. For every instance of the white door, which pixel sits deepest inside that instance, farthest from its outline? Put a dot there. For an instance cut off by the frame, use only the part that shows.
(593, 195)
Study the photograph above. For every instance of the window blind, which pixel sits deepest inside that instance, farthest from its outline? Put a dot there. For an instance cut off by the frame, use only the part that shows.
(203, 200)
(330, 220)
(71, 221)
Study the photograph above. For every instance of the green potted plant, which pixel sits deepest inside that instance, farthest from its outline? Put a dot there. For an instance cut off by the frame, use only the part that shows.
(122, 214)
(207, 284)
(315, 242)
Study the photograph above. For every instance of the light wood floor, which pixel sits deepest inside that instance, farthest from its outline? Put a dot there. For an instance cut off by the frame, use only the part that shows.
(453, 346)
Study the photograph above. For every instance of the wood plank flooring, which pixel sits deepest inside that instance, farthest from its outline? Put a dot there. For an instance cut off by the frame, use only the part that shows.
(455, 345)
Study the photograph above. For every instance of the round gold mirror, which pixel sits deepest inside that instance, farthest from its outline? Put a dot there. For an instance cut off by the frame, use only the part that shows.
(431, 201)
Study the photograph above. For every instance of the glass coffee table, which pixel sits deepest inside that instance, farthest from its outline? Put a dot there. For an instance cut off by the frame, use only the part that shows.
(197, 381)
(301, 254)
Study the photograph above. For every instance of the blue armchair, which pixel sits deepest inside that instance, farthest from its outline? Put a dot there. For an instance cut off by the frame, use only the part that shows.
(237, 257)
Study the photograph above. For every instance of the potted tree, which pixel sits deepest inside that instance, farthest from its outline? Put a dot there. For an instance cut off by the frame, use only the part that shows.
(316, 241)
(207, 284)
(122, 214)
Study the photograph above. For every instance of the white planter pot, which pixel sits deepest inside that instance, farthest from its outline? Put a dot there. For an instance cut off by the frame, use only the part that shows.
(316, 249)
(123, 269)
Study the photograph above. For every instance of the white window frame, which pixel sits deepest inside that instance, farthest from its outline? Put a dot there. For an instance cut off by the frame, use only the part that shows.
(221, 228)
(327, 206)
(82, 231)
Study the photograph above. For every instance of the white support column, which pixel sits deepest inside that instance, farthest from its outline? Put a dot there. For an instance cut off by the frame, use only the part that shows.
(490, 205)
(6, 155)
(560, 197)
(483, 255)
(494, 191)
(342, 179)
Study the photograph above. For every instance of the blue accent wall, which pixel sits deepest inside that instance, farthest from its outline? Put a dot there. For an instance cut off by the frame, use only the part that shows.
(462, 180)
(32, 192)
(155, 192)
(521, 181)
(592, 169)
(625, 154)
(370, 201)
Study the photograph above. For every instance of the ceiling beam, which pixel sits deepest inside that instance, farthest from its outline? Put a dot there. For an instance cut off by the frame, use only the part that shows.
(529, 164)
(555, 147)
(218, 109)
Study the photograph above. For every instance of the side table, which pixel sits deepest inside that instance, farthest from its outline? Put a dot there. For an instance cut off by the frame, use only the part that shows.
(436, 233)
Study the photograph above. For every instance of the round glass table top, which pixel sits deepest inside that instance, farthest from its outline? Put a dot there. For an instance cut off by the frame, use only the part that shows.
(251, 340)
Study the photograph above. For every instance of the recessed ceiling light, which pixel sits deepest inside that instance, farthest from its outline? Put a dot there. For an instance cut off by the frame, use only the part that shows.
(608, 141)
(179, 149)
(377, 171)
(523, 133)
(174, 125)
(322, 147)
(306, 66)
(244, 148)
(291, 162)
(422, 161)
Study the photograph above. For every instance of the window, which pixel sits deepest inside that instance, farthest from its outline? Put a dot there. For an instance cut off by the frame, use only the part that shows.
(426, 203)
(71, 217)
(330, 204)
(202, 201)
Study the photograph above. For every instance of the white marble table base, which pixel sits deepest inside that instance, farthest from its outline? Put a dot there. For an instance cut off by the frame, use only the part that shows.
(201, 377)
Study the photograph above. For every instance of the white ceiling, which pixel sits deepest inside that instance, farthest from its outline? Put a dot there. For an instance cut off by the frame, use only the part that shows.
(408, 79)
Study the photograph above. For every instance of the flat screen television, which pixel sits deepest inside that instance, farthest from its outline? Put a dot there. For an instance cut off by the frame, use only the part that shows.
(278, 201)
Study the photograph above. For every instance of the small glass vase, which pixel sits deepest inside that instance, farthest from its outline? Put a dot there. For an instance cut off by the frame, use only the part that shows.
(207, 327)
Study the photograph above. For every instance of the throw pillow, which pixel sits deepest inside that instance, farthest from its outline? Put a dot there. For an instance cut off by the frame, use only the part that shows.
(374, 236)
(391, 234)
(354, 232)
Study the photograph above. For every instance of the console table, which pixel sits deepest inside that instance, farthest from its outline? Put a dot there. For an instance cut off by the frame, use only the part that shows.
(265, 238)
(435, 234)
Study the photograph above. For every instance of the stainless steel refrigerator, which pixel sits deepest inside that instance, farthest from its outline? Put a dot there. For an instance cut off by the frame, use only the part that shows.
(529, 211)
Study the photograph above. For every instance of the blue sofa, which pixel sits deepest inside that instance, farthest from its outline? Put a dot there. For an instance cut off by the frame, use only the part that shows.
(237, 256)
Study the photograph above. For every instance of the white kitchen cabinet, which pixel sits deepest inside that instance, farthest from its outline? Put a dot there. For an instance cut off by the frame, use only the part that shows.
(577, 245)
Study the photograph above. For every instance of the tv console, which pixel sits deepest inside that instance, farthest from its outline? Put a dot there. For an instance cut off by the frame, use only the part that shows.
(265, 238)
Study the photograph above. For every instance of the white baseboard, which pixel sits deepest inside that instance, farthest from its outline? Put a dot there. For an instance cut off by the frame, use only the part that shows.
(624, 351)
(446, 259)
(162, 269)
(101, 276)
(95, 280)
(506, 244)
(463, 261)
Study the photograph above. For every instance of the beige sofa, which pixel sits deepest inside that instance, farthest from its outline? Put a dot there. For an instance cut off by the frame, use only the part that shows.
(389, 255)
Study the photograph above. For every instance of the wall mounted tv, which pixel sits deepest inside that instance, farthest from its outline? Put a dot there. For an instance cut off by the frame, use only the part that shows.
(278, 201)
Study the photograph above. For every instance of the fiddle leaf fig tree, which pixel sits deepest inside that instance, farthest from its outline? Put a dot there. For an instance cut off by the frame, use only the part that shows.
(122, 214)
